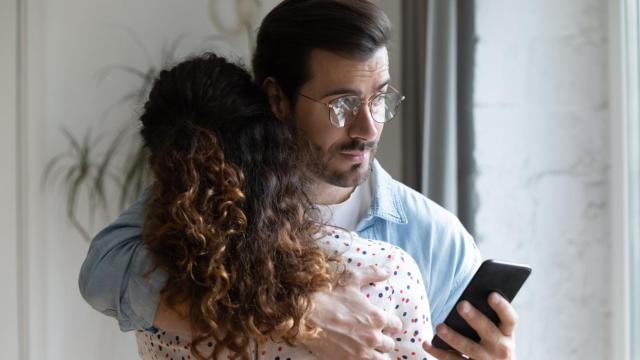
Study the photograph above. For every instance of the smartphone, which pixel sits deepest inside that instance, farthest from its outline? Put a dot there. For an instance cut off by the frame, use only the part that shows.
(493, 276)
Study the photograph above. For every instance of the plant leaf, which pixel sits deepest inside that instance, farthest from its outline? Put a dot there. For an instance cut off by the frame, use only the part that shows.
(72, 140)
(48, 174)
(107, 71)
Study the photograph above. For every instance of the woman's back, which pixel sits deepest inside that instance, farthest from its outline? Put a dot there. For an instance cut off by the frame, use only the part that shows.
(403, 294)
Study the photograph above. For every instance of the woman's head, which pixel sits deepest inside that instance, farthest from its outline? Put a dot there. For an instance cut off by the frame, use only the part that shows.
(227, 217)
(206, 93)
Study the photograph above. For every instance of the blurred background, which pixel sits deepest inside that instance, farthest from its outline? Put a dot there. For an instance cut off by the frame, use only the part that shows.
(521, 117)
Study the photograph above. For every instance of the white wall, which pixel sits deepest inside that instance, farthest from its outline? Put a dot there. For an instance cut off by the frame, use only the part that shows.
(541, 111)
(9, 309)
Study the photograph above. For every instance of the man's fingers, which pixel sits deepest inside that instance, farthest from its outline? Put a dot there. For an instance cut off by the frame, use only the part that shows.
(506, 313)
(393, 323)
(439, 353)
(379, 319)
(486, 329)
(461, 343)
(373, 355)
(385, 344)
(494, 344)
(368, 274)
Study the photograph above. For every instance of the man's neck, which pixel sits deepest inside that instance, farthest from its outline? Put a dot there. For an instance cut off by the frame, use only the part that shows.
(327, 194)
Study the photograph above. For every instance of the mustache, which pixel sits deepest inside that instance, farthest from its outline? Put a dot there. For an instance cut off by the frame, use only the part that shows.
(358, 145)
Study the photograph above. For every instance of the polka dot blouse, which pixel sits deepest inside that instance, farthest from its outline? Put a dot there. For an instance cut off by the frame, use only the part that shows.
(402, 294)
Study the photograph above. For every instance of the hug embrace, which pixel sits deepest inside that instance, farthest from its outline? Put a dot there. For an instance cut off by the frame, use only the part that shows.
(270, 231)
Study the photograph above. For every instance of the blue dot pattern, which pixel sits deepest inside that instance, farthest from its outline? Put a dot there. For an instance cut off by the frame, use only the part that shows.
(403, 294)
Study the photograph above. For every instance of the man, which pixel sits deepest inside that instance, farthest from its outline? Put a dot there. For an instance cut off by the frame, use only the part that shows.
(324, 67)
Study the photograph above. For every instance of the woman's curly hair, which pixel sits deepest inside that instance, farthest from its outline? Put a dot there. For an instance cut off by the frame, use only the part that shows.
(227, 216)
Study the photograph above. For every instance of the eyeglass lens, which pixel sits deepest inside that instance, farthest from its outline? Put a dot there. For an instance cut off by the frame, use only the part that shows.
(383, 108)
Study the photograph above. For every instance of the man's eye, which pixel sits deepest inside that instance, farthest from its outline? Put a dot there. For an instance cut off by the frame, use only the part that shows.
(350, 102)
(379, 99)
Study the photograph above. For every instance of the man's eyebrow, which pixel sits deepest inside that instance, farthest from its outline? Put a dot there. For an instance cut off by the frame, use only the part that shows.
(349, 91)
(384, 83)
(341, 91)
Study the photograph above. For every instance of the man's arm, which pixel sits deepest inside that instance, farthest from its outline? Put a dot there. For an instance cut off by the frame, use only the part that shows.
(111, 282)
(498, 342)
(111, 278)
(452, 264)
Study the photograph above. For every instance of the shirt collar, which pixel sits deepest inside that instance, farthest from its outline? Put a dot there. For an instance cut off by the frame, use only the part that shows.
(386, 203)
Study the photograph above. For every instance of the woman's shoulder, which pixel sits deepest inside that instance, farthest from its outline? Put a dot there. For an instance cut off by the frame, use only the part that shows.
(362, 251)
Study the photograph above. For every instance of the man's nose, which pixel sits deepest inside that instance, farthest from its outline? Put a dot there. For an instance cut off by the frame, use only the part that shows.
(363, 126)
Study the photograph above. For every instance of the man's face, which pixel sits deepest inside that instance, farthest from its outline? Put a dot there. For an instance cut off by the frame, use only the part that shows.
(343, 156)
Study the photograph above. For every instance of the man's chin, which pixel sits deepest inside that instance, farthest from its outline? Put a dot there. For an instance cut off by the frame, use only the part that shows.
(350, 177)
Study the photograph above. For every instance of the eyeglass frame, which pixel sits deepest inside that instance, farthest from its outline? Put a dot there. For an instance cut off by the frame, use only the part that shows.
(368, 102)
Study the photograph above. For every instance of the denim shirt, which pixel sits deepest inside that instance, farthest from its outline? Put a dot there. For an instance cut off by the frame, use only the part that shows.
(112, 282)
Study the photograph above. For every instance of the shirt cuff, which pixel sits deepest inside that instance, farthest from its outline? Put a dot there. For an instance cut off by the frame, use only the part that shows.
(144, 291)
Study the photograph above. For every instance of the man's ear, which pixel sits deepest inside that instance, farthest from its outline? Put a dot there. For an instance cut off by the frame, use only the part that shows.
(280, 105)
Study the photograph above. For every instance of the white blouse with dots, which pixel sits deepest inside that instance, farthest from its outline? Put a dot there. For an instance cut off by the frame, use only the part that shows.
(403, 294)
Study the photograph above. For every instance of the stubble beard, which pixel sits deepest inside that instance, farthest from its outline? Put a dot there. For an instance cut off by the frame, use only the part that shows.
(320, 161)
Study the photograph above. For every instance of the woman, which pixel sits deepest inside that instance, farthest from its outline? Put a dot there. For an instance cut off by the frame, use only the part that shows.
(228, 220)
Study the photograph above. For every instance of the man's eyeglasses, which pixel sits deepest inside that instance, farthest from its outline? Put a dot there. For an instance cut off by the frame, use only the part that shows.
(382, 106)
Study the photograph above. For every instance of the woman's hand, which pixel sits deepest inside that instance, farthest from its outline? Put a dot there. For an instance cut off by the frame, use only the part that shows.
(351, 325)
(497, 342)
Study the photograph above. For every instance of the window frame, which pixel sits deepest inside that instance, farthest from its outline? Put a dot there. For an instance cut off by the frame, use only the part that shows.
(624, 60)
(633, 159)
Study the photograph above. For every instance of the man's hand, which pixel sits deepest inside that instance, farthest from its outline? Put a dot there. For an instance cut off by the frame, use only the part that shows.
(495, 342)
(175, 321)
(351, 325)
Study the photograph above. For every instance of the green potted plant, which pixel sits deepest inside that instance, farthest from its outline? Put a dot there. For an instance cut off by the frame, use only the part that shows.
(86, 172)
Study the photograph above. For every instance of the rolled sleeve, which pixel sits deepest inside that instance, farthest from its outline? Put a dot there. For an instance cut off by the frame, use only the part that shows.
(111, 277)
(461, 264)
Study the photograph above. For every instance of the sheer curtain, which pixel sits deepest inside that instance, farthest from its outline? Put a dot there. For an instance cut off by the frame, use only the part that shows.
(438, 39)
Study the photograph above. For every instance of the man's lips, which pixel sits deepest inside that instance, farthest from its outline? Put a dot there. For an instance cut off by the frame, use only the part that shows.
(355, 154)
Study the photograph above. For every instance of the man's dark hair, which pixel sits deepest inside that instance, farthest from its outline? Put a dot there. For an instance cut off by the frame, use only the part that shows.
(351, 28)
